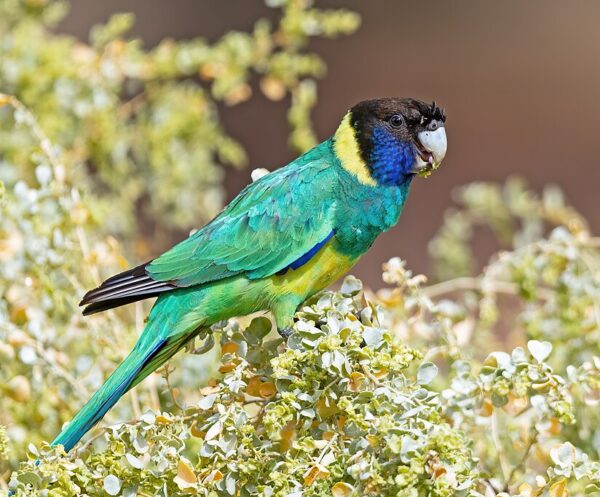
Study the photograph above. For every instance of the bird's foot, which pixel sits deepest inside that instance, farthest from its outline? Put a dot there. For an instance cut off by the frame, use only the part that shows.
(285, 332)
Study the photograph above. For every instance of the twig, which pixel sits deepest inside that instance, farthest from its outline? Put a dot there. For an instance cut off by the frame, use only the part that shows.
(153, 389)
(60, 371)
(530, 444)
(38, 132)
(489, 484)
(467, 283)
(166, 371)
(85, 250)
(131, 107)
(135, 403)
(326, 448)
(101, 432)
(588, 265)
(433, 352)
(3, 484)
(331, 383)
(476, 284)
(371, 377)
(498, 445)
(255, 401)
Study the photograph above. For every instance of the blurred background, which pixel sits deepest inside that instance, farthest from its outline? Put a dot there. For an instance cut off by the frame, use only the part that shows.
(519, 81)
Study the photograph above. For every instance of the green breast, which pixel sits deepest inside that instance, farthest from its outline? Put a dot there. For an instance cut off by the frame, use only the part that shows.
(365, 211)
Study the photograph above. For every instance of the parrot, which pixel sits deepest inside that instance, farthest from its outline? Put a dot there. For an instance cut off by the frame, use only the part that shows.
(285, 237)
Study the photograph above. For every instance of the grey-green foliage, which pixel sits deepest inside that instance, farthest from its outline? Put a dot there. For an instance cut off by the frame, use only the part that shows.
(46, 237)
(347, 408)
(140, 127)
(541, 290)
(409, 392)
(324, 414)
(429, 404)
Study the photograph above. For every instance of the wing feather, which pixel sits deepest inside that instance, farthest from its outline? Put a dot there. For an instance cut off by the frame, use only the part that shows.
(272, 224)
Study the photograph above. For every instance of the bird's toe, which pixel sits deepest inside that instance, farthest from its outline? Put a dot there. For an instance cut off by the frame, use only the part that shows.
(285, 332)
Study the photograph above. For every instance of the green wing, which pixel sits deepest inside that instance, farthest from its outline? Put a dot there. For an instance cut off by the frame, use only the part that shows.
(272, 223)
(277, 222)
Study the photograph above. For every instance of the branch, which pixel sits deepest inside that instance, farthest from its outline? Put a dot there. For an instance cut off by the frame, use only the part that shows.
(521, 463)
(468, 283)
(471, 283)
(38, 132)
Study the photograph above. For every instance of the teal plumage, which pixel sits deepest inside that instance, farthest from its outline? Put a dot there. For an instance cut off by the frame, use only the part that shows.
(108, 394)
(283, 238)
(267, 215)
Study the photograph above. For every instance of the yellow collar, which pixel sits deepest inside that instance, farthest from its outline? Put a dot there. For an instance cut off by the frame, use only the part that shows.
(347, 151)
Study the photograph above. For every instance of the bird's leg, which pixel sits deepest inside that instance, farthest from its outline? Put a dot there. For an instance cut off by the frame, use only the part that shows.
(283, 311)
(285, 332)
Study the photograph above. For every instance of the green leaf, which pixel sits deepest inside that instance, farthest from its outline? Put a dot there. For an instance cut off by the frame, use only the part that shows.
(258, 329)
(373, 337)
(539, 350)
(426, 373)
(112, 485)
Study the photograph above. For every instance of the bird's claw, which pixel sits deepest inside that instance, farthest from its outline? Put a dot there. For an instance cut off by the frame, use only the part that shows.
(285, 332)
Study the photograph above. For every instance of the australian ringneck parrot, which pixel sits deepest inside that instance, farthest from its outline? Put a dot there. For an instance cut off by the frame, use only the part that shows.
(285, 237)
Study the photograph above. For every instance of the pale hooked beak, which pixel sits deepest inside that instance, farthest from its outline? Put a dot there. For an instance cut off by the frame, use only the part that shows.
(431, 150)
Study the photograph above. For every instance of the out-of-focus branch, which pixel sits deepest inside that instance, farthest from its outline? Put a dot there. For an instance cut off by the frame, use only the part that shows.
(45, 144)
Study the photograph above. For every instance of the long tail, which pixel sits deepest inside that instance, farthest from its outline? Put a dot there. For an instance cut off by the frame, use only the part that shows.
(142, 361)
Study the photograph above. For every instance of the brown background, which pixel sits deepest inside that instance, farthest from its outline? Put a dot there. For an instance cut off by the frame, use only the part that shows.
(519, 80)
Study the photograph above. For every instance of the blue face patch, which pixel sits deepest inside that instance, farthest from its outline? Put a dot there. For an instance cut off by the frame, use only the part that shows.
(391, 159)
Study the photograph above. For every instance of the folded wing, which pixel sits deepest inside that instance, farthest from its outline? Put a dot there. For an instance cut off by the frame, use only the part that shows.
(272, 224)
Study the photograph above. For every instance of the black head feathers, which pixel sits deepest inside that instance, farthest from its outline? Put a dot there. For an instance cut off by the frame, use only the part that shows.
(387, 132)
(413, 116)
(436, 112)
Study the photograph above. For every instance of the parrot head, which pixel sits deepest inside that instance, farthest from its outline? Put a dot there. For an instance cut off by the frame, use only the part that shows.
(388, 141)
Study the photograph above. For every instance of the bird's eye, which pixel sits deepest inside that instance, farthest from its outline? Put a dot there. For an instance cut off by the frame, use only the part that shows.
(396, 121)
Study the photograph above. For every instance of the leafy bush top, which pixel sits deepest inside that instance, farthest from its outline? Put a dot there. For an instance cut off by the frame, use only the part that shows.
(325, 414)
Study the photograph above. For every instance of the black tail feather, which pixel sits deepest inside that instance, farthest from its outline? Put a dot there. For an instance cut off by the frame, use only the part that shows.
(124, 288)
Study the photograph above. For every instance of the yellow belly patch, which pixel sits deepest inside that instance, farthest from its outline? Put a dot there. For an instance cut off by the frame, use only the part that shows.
(325, 267)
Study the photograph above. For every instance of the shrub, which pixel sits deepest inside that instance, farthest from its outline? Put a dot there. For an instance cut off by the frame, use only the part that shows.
(326, 413)
(406, 392)
(484, 382)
